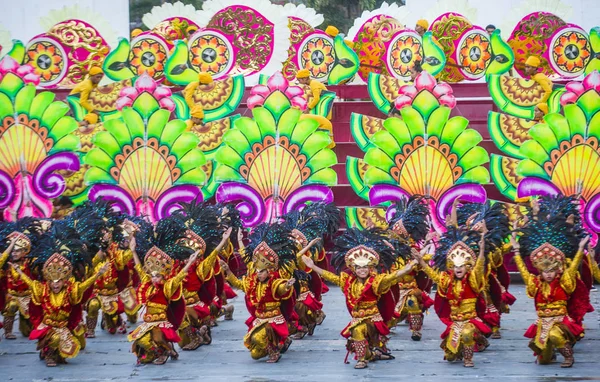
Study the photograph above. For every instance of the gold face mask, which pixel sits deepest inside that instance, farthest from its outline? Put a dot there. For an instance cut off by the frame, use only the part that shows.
(460, 254)
(361, 256)
(547, 258)
(57, 267)
(264, 257)
(157, 262)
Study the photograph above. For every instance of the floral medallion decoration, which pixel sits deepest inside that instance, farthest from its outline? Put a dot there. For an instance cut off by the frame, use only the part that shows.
(144, 163)
(36, 141)
(426, 152)
(276, 161)
(563, 154)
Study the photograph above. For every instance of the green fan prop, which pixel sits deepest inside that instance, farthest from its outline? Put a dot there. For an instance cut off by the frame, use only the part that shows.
(276, 161)
(36, 141)
(426, 152)
(563, 154)
(144, 163)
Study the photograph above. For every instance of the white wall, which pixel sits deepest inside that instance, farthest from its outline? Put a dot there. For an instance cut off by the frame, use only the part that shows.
(21, 17)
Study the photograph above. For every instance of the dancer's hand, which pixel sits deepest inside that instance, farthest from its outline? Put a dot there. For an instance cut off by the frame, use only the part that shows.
(103, 269)
(583, 242)
(224, 266)
(290, 282)
(308, 261)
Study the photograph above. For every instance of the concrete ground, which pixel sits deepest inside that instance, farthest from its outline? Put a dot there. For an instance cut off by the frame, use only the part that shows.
(316, 358)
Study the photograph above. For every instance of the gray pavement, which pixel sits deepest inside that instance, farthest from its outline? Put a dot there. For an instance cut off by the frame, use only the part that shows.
(316, 358)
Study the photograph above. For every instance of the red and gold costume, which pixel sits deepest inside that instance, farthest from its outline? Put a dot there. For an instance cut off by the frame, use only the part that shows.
(18, 294)
(60, 332)
(551, 240)
(457, 297)
(267, 292)
(113, 293)
(362, 252)
(164, 308)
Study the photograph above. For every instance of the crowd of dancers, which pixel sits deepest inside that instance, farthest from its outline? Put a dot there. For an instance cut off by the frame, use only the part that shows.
(60, 276)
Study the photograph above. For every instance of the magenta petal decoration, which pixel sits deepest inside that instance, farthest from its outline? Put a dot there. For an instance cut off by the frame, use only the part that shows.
(145, 83)
(277, 82)
(121, 200)
(299, 102)
(575, 87)
(123, 102)
(402, 101)
(255, 100)
(162, 92)
(167, 103)
(442, 89)
(448, 100)
(8, 65)
(250, 203)
(130, 92)
(46, 182)
(568, 98)
(469, 192)
(308, 193)
(7, 189)
(294, 91)
(425, 81)
(24, 70)
(532, 186)
(591, 213)
(170, 201)
(592, 81)
(408, 90)
(261, 90)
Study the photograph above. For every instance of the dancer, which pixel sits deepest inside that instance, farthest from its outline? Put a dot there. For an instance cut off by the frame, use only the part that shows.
(271, 251)
(59, 296)
(548, 240)
(532, 66)
(203, 235)
(84, 89)
(18, 294)
(460, 279)
(477, 217)
(363, 253)
(159, 291)
(410, 223)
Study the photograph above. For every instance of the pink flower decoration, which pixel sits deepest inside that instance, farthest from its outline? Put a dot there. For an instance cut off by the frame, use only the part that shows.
(277, 82)
(576, 89)
(24, 72)
(425, 82)
(145, 84)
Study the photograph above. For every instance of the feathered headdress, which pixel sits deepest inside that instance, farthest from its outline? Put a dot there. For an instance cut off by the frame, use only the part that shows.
(458, 246)
(410, 218)
(204, 230)
(495, 216)
(548, 241)
(271, 247)
(163, 245)
(26, 230)
(230, 216)
(567, 206)
(306, 231)
(59, 252)
(363, 248)
(327, 212)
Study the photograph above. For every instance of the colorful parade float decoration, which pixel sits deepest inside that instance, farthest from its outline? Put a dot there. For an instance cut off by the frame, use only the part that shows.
(36, 141)
(424, 152)
(562, 155)
(327, 55)
(75, 40)
(147, 51)
(278, 160)
(145, 163)
(565, 50)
